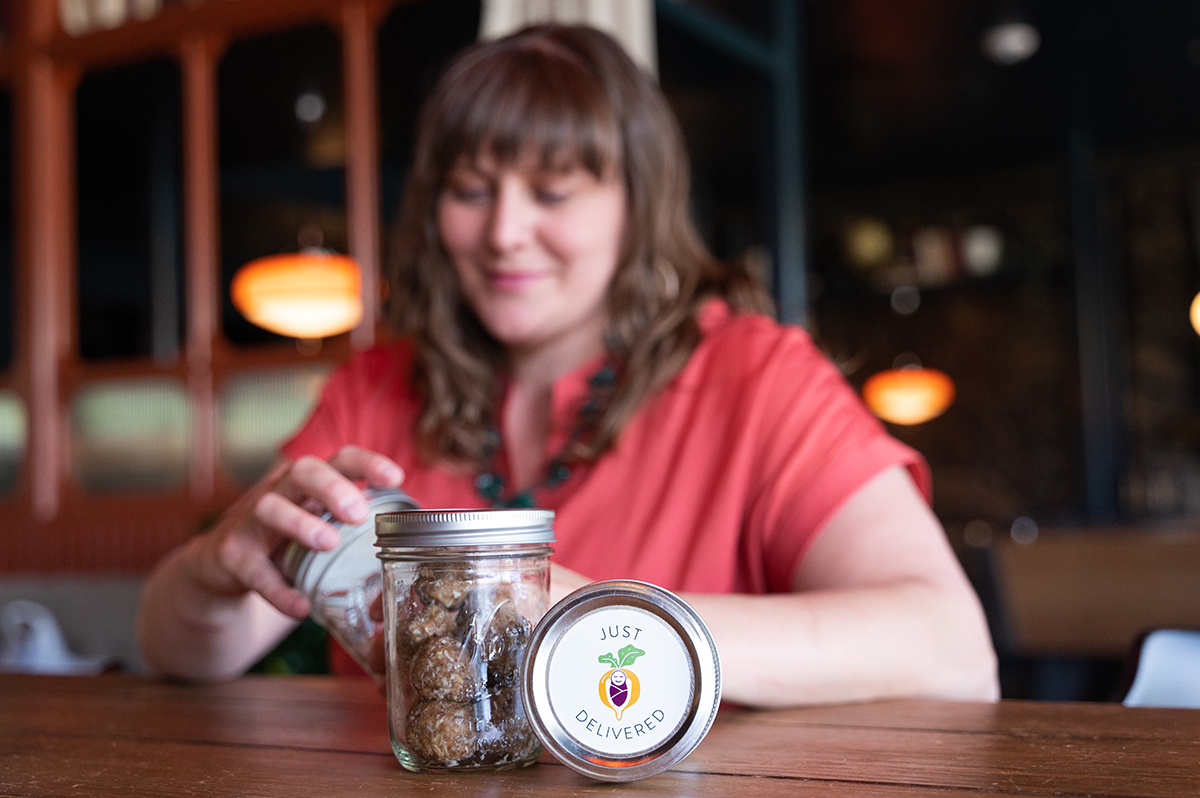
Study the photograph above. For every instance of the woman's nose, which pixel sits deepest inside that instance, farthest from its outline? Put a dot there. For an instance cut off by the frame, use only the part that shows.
(512, 219)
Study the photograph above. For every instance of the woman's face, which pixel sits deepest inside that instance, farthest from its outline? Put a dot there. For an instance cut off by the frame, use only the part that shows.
(534, 251)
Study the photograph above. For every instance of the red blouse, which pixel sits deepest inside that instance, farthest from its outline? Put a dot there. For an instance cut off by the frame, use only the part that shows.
(718, 484)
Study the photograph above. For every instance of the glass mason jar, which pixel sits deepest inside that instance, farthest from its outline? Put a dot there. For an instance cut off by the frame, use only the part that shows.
(462, 592)
(343, 583)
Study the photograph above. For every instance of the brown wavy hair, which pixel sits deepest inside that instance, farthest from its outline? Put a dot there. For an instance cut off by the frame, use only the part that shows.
(571, 96)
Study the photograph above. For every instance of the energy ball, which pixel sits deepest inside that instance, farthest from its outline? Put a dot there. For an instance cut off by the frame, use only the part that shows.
(447, 585)
(505, 634)
(491, 620)
(433, 621)
(441, 732)
(442, 670)
(508, 737)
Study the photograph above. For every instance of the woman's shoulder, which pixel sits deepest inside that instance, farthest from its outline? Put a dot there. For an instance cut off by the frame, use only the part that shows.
(747, 341)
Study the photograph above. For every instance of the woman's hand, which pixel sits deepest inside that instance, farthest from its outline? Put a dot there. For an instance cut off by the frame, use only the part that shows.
(235, 556)
(212, 607)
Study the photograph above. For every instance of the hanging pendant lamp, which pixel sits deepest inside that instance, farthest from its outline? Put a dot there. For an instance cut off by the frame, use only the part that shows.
(310, 294)
(911, 395)
(1194, 314)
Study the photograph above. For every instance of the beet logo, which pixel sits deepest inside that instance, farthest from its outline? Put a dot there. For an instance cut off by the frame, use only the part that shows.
(619, 688)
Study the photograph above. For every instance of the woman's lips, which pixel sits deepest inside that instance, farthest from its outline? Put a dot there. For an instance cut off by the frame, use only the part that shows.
(513, 281)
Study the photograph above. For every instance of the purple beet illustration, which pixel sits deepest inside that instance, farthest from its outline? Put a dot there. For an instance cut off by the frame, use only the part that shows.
(619, 686)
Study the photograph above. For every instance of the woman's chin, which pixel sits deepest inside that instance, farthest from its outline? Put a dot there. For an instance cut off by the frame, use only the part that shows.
(514, 334)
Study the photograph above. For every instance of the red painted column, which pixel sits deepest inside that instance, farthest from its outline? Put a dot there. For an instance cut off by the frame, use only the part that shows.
(201, 251)
(362, 158)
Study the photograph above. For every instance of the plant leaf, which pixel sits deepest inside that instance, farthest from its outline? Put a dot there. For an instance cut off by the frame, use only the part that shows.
(628, 655)
(608, 659)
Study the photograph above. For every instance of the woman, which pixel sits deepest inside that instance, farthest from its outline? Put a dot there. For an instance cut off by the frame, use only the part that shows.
(569, 342)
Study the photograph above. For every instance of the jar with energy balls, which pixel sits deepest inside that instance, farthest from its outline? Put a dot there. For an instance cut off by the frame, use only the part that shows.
(344, 584)
(462, 592)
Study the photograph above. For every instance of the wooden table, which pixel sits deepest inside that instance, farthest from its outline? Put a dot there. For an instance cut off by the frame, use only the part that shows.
(322, 736)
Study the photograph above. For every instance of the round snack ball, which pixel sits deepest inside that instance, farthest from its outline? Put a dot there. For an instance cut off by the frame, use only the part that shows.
(505, 634)
(433, 621)
(447, 585)
(509, 737)
(491, 620)
(442, 670)
(441, 732)
(495, 631)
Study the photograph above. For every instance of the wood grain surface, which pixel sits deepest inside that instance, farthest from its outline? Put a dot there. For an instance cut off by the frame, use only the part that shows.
(301, 736)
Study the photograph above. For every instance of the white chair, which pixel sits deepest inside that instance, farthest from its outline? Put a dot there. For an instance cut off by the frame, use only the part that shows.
(1168, 671)
(32, 642)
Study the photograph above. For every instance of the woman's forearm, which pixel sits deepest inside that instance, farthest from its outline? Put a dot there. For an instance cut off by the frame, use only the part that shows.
(191, 633)
(828, 646)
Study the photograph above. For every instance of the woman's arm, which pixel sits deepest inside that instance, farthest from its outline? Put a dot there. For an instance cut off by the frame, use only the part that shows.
(881, 608)
(217, 604)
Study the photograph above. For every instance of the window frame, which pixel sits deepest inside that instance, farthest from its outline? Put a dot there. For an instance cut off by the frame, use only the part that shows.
(57, 525)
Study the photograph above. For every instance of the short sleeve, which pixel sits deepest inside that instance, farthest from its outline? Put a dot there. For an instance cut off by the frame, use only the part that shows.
(366, 402)
(819, 445)
(324, 431)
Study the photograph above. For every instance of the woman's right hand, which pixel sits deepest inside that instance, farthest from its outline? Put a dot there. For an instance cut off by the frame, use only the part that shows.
(235, 556)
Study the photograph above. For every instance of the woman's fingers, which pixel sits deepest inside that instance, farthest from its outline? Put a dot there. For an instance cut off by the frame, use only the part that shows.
(358, 463)
(234, 561)
(281, 516)
(332, 483)
(236, 556)
(314, 478)
(375, 611)
(376, 658)
(260, 575)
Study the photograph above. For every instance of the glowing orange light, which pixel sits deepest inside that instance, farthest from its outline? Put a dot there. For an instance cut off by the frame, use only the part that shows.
(311, 294)
(908, 395)
(1195, 313)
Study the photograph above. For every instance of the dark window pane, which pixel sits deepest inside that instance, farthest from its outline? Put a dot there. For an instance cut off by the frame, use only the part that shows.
(1159, 199)
(415, 42)
(750, 16)
(130, 267)
(282, 157)
(1004, 331)
(922, 140)
(8, 23)
(723, 111)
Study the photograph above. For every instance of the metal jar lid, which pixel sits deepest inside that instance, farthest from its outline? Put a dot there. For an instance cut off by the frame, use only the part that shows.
(621, 680)
(304, 567)
(448, 528)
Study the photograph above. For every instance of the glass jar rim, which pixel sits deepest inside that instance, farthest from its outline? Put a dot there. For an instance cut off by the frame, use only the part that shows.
(410, 529)
(303, 567)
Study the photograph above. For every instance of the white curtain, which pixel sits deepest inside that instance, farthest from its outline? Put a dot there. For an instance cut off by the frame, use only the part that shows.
(631, 22)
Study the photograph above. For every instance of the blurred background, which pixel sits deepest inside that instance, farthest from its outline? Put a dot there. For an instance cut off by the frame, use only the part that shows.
(986, 212)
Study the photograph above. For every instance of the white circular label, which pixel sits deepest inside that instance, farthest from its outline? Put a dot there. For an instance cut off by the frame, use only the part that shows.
(620, 681)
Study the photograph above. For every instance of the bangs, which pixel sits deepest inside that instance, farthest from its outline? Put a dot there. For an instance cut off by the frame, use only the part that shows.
(533, 101)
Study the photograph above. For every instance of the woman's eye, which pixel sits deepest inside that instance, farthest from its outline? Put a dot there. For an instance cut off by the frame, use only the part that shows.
(470, 194)
(547, 197)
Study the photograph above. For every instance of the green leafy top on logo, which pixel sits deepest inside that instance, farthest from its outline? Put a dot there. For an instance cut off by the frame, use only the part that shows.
(624, 657)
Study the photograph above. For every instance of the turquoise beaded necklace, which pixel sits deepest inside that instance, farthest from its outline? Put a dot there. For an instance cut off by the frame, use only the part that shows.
(491, 486)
